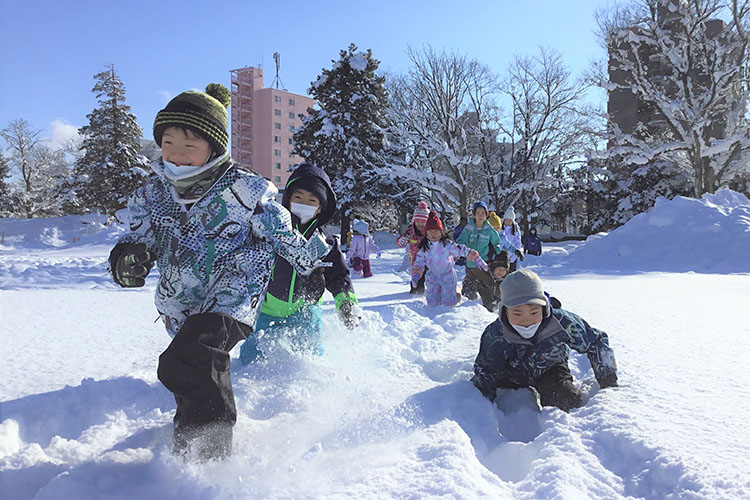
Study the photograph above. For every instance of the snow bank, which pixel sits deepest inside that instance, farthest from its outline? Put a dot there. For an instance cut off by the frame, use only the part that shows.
(707, 235)
(56, 232)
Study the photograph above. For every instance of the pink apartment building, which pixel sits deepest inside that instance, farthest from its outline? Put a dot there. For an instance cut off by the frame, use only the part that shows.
(263, 123)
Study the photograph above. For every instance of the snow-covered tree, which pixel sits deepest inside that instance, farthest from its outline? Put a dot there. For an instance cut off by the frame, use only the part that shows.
(544, 132)
(41, 170)
(4, 188)
(344, 134)
(111, 166)
(439, 115)
(676, 88)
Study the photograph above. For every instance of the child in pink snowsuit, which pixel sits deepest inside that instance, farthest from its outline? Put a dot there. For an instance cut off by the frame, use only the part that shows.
(438, 253)
(361, 247)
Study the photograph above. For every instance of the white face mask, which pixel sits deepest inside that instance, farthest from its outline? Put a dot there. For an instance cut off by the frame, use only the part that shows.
(527, 331)
(179, 172)
(304, 212)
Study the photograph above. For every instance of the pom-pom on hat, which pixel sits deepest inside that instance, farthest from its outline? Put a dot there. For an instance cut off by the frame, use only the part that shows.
(421, 212)
(522, 287)
(203, 112)
(510, 213)
(433, 222)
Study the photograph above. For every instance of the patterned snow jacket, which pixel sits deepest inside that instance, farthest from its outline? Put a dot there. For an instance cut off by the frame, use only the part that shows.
(216, 255)
(504, 354)
(440, 258)
(288, 291)
(513, 235)
(412, 237)
(482, 240)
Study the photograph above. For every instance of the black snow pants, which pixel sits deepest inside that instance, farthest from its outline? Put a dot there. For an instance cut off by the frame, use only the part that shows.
(195, 368)
(555, 388)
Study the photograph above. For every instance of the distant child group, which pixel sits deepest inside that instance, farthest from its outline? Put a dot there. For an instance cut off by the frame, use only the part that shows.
(234, 264)
(491, 248)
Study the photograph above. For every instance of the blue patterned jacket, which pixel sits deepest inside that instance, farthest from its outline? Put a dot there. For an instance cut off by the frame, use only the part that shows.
(217, 254)
(504, 354)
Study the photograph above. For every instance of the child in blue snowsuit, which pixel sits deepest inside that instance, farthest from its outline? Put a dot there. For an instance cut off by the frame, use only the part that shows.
(291, 307)
(213, 230)
(528, 346)
(438, 254)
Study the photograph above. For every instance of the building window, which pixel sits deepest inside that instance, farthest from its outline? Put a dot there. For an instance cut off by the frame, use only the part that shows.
(277, 125)
(277, 98)
(291, 154)
(291, 141)
(277, 166)
(291, 128)
(276, 178)
(277, 112)
(291, 102)
(291, 115)
(276, 138)
(277, 152)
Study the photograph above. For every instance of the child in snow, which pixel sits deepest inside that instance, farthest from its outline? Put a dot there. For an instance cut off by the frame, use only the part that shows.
(361, 247)
(291, 307)
(212, 230)
(438, 254)
(513, 234)
(528, 346)
(498, 267)
(532, 243)
(412, 236)
(480, 236)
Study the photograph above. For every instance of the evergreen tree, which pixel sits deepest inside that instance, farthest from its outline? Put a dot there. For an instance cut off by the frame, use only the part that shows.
(345, 134)
(4, 174)
(5, 206)
(110, 167)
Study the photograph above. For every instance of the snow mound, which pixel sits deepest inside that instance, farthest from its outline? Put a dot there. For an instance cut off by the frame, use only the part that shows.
(707, 235)
(56, 232)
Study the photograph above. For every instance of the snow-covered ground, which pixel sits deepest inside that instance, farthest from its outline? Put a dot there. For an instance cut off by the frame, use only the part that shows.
(388, 411)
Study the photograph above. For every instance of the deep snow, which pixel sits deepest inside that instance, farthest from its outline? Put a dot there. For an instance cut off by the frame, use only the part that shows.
(388, 411)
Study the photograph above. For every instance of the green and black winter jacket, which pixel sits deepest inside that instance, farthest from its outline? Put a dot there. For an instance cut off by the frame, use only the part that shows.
(288, 291)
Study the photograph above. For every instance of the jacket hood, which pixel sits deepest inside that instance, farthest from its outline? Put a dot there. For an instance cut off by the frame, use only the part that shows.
(310, 170)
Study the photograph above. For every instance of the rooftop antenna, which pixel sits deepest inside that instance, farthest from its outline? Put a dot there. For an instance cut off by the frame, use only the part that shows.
(277, 80)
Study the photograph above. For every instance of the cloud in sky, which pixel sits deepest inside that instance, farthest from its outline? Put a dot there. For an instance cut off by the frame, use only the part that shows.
(62, 133)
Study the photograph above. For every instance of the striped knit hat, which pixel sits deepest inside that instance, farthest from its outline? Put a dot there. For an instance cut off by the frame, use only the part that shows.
(421, 212)
(203, 112)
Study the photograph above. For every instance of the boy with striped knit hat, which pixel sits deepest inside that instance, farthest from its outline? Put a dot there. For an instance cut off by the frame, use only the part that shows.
(213, 230)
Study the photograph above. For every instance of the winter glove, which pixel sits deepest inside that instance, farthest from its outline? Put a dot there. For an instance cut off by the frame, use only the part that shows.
(608, 381)
(130, 264)
(349, 314)
(401, 241)
(416, 275)
(519, 254)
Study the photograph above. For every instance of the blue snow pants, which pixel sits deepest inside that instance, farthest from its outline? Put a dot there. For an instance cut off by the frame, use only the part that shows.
(301, 329)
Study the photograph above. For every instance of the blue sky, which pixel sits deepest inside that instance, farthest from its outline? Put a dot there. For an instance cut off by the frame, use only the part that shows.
(52, 49)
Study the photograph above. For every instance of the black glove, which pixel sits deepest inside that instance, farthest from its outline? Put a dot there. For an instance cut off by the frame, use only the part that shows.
(519, 254)
(349, 314)
(608, 381)
(130, 264)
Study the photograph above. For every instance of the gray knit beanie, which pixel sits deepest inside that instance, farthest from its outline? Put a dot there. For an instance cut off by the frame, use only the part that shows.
(522, 287)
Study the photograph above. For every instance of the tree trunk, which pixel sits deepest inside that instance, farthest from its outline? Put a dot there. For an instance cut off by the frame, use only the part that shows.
(345, 223)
